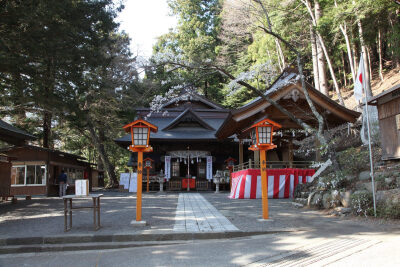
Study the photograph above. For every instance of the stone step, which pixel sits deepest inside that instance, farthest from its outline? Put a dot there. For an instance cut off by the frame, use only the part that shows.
(118, 238)
(38, 248)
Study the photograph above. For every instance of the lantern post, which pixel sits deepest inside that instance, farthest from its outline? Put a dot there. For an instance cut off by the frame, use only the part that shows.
(230, 162)
(261, 137)
(147, 165)
(140, 135)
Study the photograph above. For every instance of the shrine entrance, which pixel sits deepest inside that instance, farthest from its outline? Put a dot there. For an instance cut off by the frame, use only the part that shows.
(188, 169)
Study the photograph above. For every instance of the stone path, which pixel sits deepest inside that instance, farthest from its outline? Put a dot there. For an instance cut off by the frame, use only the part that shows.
(195, 214)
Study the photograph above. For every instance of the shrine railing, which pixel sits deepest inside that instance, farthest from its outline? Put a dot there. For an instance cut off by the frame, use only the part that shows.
(274, 165)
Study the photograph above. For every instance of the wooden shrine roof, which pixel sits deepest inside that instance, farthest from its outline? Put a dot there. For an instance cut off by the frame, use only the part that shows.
(286, 91)
(189, 117)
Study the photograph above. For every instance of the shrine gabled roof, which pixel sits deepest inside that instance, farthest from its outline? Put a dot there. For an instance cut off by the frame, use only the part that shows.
(193, 96)
(286, 83)
(187, 113)
(167, 131)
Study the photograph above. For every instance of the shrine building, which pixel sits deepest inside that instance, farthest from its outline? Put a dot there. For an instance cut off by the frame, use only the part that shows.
(196, 136)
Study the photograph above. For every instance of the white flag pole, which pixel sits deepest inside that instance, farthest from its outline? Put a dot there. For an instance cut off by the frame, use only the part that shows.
(369, 142)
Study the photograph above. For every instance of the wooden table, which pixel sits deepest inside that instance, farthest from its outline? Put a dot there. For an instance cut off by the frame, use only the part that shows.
(69, 208)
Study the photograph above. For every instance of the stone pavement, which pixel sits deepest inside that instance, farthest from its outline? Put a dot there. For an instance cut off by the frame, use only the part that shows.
(44, 216)
(195, 214)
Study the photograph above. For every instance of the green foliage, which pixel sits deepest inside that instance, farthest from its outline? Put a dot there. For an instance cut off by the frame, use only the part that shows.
(195, 40)
(353, 160)
(391, 211)
(362, 203)
(333, 181)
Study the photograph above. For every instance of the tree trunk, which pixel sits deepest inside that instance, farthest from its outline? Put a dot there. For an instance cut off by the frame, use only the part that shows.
(380, 54)
(109, 168)
(354, 52)
(343, 29)
(47, 116)
(365, 59)
(282, 57)
(281, 67)
(278, 46)
(369, 63)
(323, 82)
(314, 58)
(320, 41)
(344, 72)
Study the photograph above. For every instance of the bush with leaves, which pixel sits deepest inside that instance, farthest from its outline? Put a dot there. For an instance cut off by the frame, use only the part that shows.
(333, 181)
(362, 203)
(391, 211)
(354, 160)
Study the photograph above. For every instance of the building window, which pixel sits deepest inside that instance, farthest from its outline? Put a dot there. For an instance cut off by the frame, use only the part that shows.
(28, 175)
(73, 174)
(175, 168)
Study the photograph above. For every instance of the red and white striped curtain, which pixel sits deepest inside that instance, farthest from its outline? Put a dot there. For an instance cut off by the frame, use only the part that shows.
(281, 182)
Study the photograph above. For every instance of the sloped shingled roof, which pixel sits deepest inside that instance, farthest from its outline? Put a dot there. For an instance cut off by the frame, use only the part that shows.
(11, 134)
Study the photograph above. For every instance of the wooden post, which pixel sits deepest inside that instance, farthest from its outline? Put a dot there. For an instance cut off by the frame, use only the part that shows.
(264, 184)
(147, 190)
(256, 158)
(240, 152)
(290, 146)
(139, 187)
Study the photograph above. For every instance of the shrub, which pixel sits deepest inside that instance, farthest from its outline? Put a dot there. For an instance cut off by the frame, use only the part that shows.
(391, 211)
(335, 181)
(354, 160)
(362, 203)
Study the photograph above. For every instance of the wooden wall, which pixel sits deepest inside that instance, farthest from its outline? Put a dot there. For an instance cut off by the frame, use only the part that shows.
(390, 137)
(5, 174)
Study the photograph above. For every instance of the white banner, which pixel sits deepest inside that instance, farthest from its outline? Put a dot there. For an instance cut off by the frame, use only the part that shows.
(133, 183)
(209, 167)
(124, 180)
(167, 167)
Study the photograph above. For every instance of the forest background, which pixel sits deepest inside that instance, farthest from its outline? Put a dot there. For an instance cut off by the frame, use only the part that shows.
(68, 77)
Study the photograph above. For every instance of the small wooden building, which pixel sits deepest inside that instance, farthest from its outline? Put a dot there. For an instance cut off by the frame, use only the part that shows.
(35, 170)
(388, 103)
(5, 173)
(15, 136)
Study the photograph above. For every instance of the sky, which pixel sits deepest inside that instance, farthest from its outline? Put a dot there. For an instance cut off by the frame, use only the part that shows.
(144, 21)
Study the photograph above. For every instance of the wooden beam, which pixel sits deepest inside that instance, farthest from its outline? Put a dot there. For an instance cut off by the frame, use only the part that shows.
(240, 152)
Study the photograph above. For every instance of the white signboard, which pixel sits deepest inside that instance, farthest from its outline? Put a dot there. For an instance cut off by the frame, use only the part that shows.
(167, 167)
(133, 183)
(209, 167)
(81, 187)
